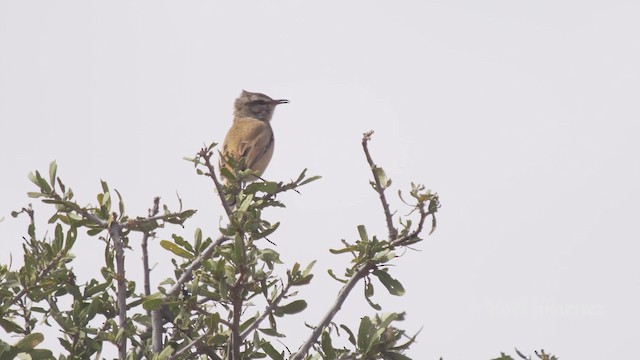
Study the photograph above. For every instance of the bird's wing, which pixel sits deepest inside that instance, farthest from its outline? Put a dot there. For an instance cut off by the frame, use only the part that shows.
(252, 140)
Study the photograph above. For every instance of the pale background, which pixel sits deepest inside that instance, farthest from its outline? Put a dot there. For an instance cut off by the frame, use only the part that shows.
(522, 115)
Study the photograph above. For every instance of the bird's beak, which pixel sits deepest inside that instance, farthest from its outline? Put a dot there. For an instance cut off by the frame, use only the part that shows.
(282, 101)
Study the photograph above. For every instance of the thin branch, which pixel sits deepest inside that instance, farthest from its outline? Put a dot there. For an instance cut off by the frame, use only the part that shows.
(417, 231)
(145, 254)
(115, 231)
(156, 317)
(43, 273)
(94, 218)
(188, 273)
(237, 301)
(156, 331)
(267, 311)
(342, 296)
(188, 346)
(393, 232)
(206, 155)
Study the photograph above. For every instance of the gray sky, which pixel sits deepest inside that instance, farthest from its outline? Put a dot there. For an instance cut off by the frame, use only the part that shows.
(522, 115)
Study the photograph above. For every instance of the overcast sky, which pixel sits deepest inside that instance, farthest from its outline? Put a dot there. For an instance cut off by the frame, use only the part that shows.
(522, 115)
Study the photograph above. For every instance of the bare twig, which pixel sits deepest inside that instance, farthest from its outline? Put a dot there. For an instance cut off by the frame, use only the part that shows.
(342, 296)
(393, 232)
(206, 155)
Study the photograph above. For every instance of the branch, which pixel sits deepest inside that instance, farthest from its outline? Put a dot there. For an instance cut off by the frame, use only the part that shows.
(342, 296)
(206, 155)
(115, 231)
(188, 273)
(417, 231)
(188, 346)
(268, 310)
(393, 232)
(43, 273)
(156, 318)
(145, 254)
(237, 300)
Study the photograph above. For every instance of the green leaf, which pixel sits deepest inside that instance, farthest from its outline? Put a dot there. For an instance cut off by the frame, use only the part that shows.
(239, 250)
(307, 270)
(72, 234)
(387, 319)
(248, 323)
(180, 241)
(363, 233)
(53, 168)
(29, 342)
(293, 307)
(91, 289)
(270, 230)
(166, 352)
(363, 333)
(393, 286)
(120, 203)
(153, 302)
(271, 351)
(168, 245)
(313, 178)
(10, 326)
(268, 187)
(301, 176)
(58, 238)
(335, 277)
(327, 347)
(32, 177)
(382, 177)
(40, 354)
(105, 187)
(271, 332)
(93, 232)
(198, 235)
(352, 338)
(42, 183)
(344, 250)
(372, 304)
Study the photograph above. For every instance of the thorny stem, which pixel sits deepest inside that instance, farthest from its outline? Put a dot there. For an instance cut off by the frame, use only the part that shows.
(393, 232)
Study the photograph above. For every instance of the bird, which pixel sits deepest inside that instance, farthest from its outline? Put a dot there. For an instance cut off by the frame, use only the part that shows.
(250, 141)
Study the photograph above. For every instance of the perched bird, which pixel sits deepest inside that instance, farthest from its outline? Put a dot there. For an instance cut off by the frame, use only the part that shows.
(250, 137)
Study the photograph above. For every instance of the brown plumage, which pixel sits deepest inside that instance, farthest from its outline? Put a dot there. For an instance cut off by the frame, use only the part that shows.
(250, 136)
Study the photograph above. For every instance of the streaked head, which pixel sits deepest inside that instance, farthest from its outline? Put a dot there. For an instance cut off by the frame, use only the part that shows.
(256, 105)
